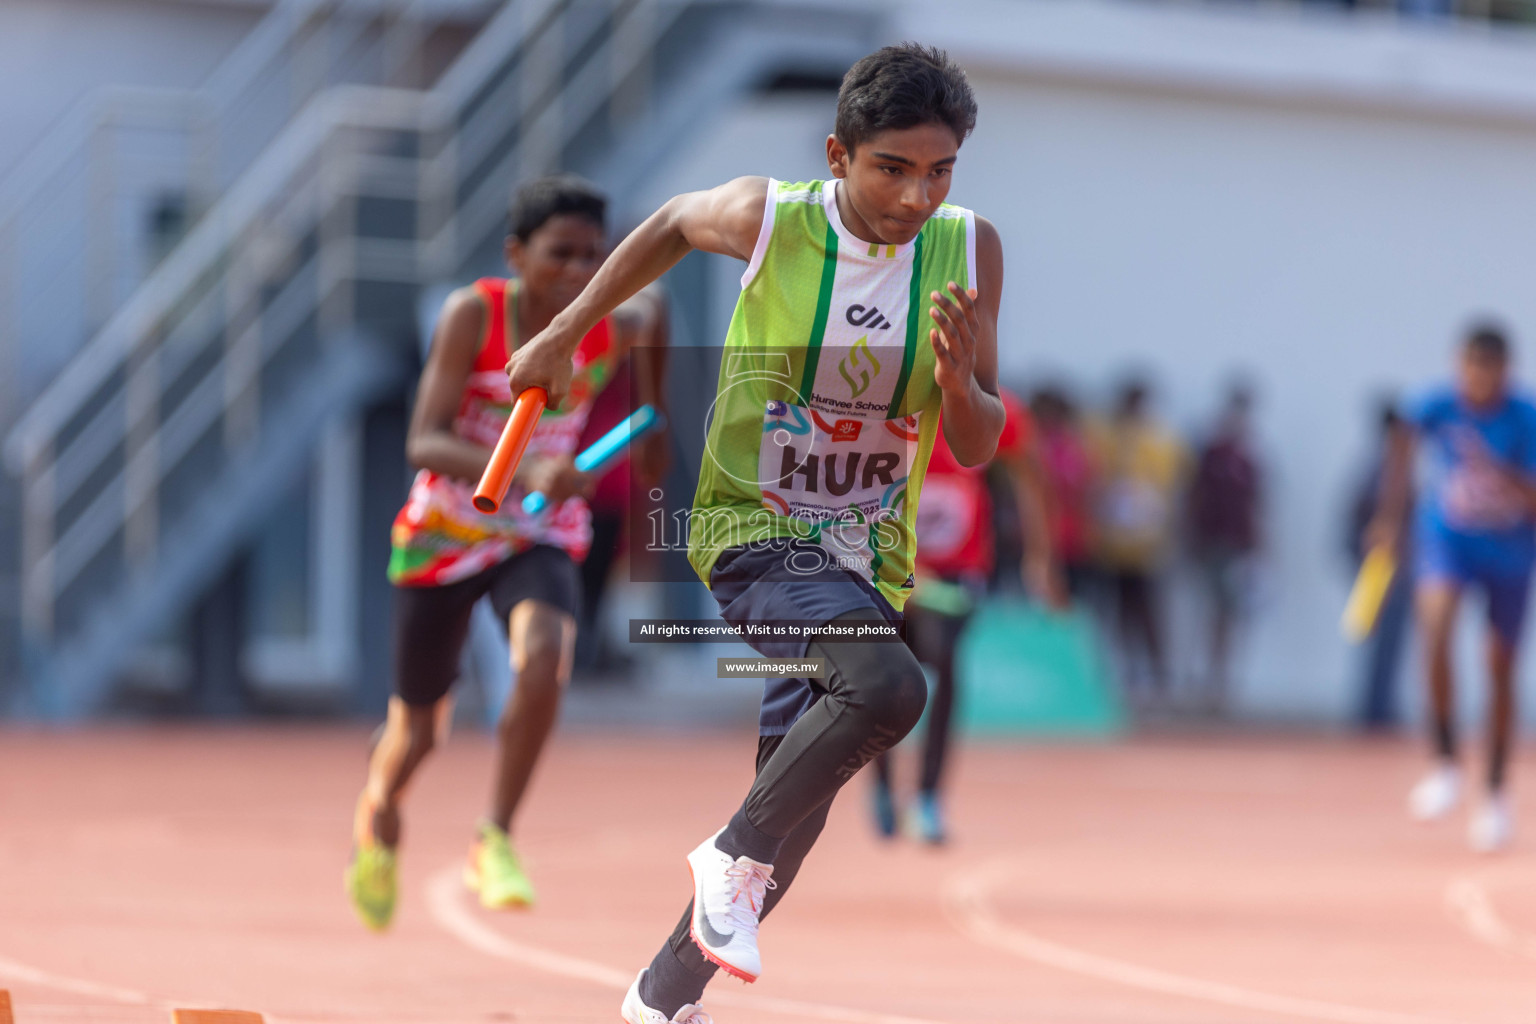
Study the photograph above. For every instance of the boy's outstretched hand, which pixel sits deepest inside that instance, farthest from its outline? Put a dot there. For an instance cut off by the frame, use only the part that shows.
(954, 340)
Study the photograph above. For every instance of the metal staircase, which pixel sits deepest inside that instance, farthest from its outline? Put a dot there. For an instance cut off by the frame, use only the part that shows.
(289, 305)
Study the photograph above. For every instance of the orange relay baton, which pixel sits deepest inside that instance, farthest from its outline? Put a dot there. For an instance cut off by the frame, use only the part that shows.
(509, 449)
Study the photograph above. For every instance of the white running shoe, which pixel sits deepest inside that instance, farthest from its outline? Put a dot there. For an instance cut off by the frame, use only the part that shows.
(1493, 825)
(1436, 794)
(636, 1012)
(728, 898)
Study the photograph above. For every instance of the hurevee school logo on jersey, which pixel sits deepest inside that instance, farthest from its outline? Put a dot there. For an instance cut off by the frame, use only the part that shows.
(859, 360)
(872, 318)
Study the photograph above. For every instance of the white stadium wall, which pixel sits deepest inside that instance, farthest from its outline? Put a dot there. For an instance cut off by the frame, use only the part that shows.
(1316, 201)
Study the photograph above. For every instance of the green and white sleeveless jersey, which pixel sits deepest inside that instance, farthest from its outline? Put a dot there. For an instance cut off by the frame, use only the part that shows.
(827, 409)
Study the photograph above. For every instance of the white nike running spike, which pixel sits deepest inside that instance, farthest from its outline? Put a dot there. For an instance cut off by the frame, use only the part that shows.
(728, 898)
(634, 1011)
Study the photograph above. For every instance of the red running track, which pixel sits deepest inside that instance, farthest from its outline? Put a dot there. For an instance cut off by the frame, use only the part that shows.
(1161, 881)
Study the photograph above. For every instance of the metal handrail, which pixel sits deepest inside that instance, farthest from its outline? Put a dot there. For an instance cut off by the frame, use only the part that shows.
(481, 206)
(210, 116)
(113, 502)
(243, 68)
(104, 354)
(246, 64)
(488, 51)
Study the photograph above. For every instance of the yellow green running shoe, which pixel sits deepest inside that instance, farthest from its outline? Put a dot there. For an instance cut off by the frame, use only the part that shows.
(495, 873)
(371, 885)
(370, 878)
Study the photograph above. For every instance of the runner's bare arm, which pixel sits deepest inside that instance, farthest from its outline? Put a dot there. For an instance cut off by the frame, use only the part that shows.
(430, 441)
(724, 220)
(964, 342)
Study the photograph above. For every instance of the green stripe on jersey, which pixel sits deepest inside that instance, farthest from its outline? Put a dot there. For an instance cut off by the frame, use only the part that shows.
(914, 324)
(823, 306)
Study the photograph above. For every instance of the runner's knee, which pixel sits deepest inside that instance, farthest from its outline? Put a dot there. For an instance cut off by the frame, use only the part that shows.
(902, 690)
(541, 636)
(882, 682)
(540, 665)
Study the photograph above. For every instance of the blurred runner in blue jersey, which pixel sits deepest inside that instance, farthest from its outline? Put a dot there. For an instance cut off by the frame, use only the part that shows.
(1475, 529)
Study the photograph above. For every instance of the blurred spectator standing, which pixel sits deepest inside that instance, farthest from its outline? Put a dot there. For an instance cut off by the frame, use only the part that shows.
(1377, 708)
(1143, 465)
(1224, 509)
(1068, 467)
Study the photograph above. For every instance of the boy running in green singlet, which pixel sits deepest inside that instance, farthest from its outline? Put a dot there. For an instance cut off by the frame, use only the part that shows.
(868, 305)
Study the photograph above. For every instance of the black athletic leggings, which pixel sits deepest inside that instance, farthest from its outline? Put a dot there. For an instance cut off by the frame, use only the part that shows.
(874, 695)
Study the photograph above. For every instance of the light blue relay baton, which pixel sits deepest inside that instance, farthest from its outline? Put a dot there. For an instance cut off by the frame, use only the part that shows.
(605, 450)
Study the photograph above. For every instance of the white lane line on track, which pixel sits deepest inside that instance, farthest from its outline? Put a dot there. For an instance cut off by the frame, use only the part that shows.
(25, 974)
(20, 973)
(1469, 903)
(968, 904)
(452, 913)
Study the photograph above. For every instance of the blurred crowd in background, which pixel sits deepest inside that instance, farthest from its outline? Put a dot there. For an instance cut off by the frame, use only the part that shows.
(1130, 497)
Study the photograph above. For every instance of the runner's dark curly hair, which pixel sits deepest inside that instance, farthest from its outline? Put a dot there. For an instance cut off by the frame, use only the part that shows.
(535, 202)
(903, 86)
